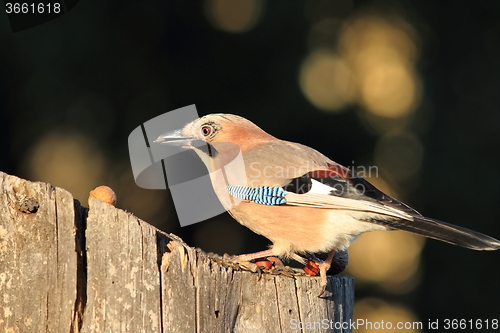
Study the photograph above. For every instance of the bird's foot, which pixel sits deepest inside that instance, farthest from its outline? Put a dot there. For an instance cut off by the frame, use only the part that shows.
(323, 268)
(245, 264)
(276, 262)
(266, 264)
(311, 268)
(256, 262)
(314, 265)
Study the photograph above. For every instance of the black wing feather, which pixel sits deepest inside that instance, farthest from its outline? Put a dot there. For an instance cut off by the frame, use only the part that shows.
(446, 232)
(360, 189)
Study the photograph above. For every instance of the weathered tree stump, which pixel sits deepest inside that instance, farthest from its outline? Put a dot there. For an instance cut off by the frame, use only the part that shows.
(66, 268)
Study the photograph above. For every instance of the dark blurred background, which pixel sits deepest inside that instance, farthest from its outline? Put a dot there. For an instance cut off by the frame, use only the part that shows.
(411, 87)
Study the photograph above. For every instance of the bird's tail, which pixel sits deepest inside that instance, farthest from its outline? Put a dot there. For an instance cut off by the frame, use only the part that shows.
(448, 233)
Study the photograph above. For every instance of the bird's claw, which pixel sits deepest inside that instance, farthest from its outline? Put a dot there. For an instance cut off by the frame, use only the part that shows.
(252, 267)
(276, 262)
(323, 290)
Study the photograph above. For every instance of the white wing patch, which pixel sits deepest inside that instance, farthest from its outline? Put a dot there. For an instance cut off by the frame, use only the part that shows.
(320, 188)
(321, 200)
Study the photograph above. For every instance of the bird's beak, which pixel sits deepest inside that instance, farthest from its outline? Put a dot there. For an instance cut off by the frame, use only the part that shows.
(200, 147)
(175, 138)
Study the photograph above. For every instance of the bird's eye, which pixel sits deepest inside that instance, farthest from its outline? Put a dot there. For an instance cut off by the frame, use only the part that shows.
(206, 130)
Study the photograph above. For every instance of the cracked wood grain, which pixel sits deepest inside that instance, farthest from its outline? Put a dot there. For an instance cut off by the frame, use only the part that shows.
(38, 263)
(66, 268)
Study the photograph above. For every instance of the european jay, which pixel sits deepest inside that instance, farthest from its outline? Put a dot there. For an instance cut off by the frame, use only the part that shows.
(299, 199)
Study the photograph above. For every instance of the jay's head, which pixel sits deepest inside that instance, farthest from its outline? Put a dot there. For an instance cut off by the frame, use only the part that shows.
(216, 138)
(214, 128)
(218, 127)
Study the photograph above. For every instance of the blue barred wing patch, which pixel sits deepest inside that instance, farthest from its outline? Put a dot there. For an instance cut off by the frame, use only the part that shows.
(264, 195)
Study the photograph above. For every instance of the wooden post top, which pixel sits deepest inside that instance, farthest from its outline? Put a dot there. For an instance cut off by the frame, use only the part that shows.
(66, 268)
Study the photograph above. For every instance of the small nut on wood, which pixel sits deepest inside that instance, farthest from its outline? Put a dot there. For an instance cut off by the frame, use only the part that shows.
(103, 193)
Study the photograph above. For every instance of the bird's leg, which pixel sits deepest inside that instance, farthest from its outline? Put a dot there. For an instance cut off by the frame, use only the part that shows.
(323, 268)
(299, 259)
(252, 256)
